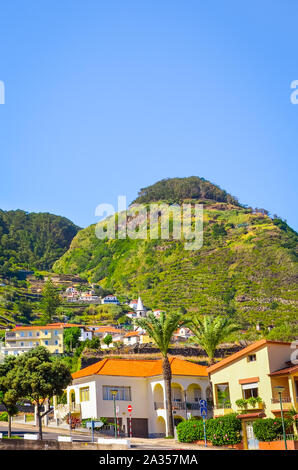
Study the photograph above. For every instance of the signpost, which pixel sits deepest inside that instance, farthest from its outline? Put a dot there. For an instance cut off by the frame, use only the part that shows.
(93, 424)
(129, 409)
(203, 412)
(118, 427)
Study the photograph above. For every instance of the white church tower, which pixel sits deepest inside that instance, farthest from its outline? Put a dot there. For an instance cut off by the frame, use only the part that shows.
(140, 310)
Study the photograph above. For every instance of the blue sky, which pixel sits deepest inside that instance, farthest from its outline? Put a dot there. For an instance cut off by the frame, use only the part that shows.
(103, 98)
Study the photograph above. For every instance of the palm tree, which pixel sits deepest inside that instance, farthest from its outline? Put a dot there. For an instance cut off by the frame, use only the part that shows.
(161, 331)
(210, 331)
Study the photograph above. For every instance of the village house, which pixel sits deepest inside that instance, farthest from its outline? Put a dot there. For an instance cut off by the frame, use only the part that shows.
(255, 372)
(138, 383)
(136, 337)
(23, 338)
(110, 299)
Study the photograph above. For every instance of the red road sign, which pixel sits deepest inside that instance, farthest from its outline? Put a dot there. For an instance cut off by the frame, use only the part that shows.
(129, 408)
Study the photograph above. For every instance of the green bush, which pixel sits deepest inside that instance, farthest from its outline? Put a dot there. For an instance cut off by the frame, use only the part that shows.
(190, 430)
(4, 416)
(224, 430)
(269, 429)
(220, 431)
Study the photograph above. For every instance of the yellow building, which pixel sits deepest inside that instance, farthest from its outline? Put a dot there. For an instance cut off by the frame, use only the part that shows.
(253, 373)
(23, 338)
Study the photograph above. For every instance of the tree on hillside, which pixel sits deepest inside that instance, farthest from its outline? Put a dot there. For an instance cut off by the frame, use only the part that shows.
(71, 337)
(8, 396)
(108, 339)
(210, 331)
(50, 301)
(38, 378)
(161, 331)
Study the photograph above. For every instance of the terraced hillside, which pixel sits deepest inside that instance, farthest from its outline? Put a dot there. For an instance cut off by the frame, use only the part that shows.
(247, 266)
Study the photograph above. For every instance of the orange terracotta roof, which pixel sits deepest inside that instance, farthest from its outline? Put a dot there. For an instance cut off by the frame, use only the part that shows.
(140, 368)
(108, 329)
(286, 370)
(132, 333)
(243, 352)
(34, 327)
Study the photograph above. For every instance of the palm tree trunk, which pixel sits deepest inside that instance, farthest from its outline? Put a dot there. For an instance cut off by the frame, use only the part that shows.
(167, 376)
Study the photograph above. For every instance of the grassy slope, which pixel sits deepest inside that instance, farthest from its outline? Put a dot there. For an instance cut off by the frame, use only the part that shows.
(252, 267)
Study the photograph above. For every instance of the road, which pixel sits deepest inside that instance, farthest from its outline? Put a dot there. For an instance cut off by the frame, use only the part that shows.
(136, 443)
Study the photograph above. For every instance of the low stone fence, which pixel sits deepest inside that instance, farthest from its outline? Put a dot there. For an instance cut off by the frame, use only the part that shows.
(24, 444)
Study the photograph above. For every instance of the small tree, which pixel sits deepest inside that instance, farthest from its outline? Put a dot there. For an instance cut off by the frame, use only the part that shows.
(8, 396)
(108, 339)
(50, 301)
(71, 337)
(38, 378)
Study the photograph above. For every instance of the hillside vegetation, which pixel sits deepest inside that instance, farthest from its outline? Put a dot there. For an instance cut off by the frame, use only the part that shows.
(32, 240)
(247, 266)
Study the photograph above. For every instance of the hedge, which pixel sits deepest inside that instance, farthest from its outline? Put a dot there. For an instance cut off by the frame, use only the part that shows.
(269, 429)
(220, 431)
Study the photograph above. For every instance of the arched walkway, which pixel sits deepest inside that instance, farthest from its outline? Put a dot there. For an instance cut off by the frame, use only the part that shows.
(160, 427)
(158, 397)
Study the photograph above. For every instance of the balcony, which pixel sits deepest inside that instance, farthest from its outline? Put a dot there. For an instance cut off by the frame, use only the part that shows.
(159, 405)
(287, 404)
(193, 406)
(178, 405)
(9, 336)
(222, 409)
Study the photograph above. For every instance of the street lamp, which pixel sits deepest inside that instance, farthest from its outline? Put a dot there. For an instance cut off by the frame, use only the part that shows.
(114, 393)
(279, 390)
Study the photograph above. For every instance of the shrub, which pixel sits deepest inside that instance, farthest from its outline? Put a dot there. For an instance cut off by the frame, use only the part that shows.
(224, 430)
(220, 431)
(4, 416)
(190, 430)
(269, 429)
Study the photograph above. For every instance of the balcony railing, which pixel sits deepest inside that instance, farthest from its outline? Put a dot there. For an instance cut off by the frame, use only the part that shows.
(10, 335)
(283, 400)
(159, 405)
(222, 406)
(178, 405)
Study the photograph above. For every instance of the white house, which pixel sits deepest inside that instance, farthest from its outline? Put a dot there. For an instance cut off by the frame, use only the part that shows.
(138, 383)
(110, 299)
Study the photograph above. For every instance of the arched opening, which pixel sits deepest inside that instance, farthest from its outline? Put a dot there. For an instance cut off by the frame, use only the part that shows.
(158, 397)
(160, 427)
(177, 397)
(177, 420)
(72, 396)
(193, 396)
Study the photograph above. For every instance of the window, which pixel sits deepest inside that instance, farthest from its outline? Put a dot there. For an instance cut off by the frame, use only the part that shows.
(223, 395)
(250, 390)
(37, 334)
(123, 393)
(46, 342)
(22, 344)
(251, 358)
(56, 342)
(84, 394)
(22, 334)
(30, 333)
(45, 332)
(56, 333)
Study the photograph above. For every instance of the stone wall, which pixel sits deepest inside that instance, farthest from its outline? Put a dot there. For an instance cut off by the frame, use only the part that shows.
(23, 444)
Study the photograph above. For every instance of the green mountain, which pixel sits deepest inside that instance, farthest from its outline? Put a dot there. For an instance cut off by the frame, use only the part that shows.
(247, 266)
(33, 240)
